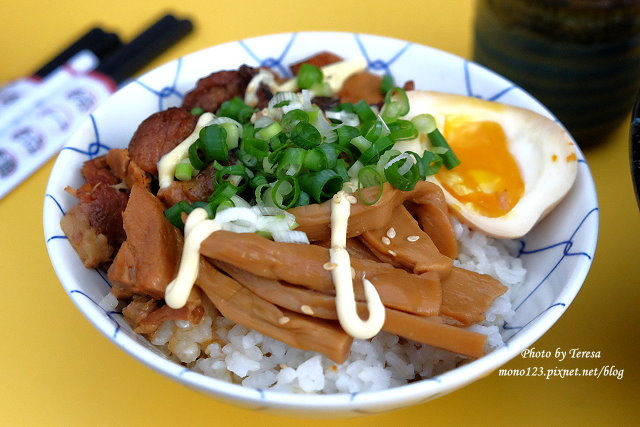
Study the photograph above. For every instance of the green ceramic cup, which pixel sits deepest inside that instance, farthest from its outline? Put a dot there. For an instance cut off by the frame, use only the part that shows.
(581, 58)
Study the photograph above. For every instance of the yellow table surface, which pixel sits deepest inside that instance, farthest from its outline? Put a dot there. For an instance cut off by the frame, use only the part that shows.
(56, 369)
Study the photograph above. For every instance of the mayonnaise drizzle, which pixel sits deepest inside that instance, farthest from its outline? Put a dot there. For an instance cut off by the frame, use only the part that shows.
(263, 76)
(196, 229)
(168, 162)
(343, 281)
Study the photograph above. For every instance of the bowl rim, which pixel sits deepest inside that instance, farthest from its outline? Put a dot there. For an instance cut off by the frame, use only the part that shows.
(362, 402)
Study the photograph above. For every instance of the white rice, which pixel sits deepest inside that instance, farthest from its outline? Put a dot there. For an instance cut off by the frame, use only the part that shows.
(221, 349)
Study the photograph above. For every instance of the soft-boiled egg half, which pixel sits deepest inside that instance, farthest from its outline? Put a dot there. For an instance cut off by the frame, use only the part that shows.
(516, 165)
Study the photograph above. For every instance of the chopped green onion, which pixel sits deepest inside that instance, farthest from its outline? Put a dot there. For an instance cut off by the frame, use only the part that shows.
(303, 199)
(248, 130)
(439, 150)
(386, 84)
(280, 187)
(315, 159)
(268, 166)
(282, 99)
(346, 134)
(222, 193)
(233, 134)
(278, 150)
(321, 185)
(225, 190)
(343, 117)
(449, 158)
(291, 162)
(247, 159)
(271, 197)
(354, 169)
(257, 148)
(270, 163)
(259, 192)
(224, 172)
(425, 123)
(206, 206)
(313, 116)
(269, 132)
(377, 130)
(194, 156)
(345, 106)
(236, 109)
(361, 143)
(385, 158)
(321, 89)
(341, 169)
(377, 148)
(224, 205)
(277, 143)
(307, 156)
(308, 75)
(197, 111)
(330, 153)
(402, 130)
(257, 181)
(364, 112)
(174, 213)
(292, 118)
(406, 181)
(184, 171)
(368, 176)
(429, 164)
(213, 142)
(305, 135)
(396, 105)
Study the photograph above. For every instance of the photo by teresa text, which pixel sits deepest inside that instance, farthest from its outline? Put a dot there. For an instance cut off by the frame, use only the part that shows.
(562, 355)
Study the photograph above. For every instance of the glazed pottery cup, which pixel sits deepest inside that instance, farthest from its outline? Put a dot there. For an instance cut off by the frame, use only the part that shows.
(581, 58)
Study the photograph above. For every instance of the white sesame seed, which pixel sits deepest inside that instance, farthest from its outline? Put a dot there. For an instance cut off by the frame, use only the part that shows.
(329, 266)
(283, 320)
(413, 238)
(386, 240)
(391, 233)
(353, 273)
(392, 253)
(306, 310)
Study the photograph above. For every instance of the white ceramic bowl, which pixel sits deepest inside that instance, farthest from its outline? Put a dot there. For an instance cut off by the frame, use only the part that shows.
(557, 253)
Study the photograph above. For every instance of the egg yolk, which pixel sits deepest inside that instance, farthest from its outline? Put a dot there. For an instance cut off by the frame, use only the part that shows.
(488, 179)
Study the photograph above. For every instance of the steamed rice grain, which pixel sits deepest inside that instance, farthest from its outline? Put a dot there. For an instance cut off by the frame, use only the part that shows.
(221, 349)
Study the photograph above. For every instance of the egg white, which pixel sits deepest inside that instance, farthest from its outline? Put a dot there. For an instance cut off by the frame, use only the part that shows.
(544, 152)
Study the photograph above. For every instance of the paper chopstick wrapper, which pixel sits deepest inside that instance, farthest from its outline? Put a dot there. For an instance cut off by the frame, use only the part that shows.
(81, 62)
(34, 138)
(38, 137)
(96, 40)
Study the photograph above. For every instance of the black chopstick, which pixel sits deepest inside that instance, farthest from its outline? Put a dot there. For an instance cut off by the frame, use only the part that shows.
(100, 42)
(131, 57)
